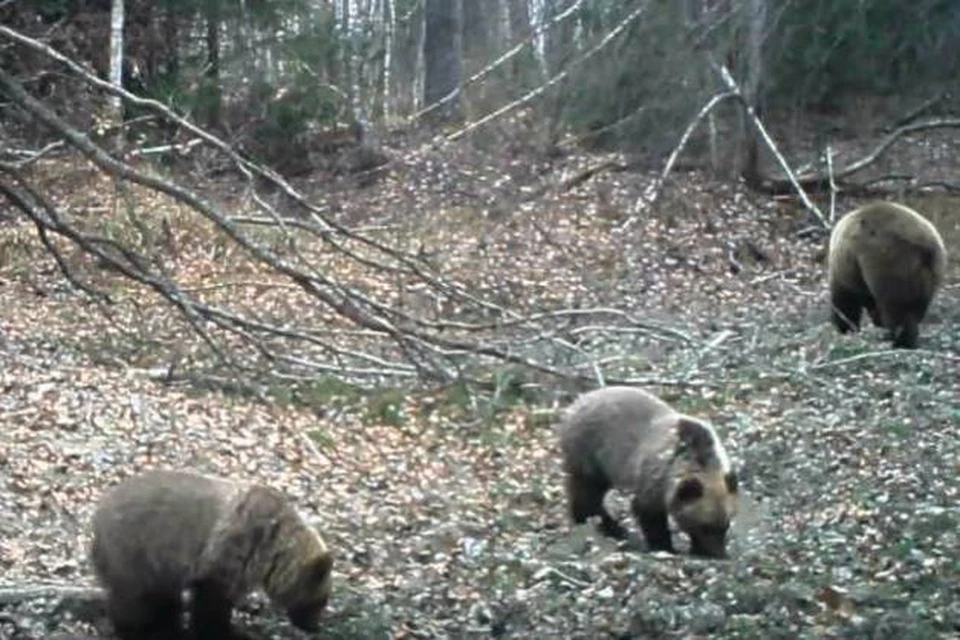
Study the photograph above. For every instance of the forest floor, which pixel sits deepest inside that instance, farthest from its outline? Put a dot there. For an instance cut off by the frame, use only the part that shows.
(446, 509)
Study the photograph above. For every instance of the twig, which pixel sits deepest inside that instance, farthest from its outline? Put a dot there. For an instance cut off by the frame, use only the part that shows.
(34, 156)
(547, 571)
(833, 186)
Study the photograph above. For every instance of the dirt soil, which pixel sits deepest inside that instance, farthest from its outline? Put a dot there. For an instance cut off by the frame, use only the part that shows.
(446, 507)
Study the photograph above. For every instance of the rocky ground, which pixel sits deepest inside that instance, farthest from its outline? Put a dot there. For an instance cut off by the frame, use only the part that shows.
(446, 508)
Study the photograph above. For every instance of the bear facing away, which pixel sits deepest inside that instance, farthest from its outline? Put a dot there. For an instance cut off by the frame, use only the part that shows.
(161, 533)
(889, 260)
(671, 465)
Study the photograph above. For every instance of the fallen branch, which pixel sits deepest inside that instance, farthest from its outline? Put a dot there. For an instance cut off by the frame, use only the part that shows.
(921, 108)
(887, 353)
(384, 335)
(820, 181)
(18, 594)
(582, 176)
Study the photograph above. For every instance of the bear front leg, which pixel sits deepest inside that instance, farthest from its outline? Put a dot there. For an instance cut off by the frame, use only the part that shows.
(145, 616)
(210, 612)
(586, 500)
(656, 529)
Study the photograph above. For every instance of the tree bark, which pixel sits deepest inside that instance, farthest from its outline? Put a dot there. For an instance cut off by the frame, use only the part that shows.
(211, 97)
(477, 18)
(756, 21)
(441, 53)
(519, 12)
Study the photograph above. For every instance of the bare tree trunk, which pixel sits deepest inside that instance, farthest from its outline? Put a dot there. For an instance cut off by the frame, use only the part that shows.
(559, 48)
(389, 29)
(171, 34)
(116, 64)
(756, 21)
(212, 98)
(519, 16)
(441, 53)
(354, 33)
(477, 19)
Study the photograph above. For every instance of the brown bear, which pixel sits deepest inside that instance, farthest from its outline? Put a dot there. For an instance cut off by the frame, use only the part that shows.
(670, 464)
(889, 260)
(160, 533)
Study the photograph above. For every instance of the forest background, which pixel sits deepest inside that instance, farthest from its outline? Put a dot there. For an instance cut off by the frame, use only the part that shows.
(365, 250)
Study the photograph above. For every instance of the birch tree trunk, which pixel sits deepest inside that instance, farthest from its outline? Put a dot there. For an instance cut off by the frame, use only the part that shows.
(116, 64)
(389, 28)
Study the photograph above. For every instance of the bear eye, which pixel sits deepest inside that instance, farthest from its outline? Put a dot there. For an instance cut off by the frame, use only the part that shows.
(731, 481)
(688, 491)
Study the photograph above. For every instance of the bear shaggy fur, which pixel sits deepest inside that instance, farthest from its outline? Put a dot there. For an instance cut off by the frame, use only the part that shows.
(889, 260)
(670, 463)
(163, 532)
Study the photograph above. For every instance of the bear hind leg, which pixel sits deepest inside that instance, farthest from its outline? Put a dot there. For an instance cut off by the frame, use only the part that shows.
(586, 500)
(846, 308)
(905, 331)
(903, 321)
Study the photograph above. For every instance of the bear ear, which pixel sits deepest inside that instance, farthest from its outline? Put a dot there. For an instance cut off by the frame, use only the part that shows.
(694, 439)
(322, 565)
(731, 481)
(688, 491)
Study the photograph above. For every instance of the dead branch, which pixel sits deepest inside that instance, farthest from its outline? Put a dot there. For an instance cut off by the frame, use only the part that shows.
(31, 156)
(734, 88)
(915, 113)
(582, 176)
(432, 348)
(13, 595)
(653, 191)
(832, 180)
(820, 181)
(886, 143)
(323, 227)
